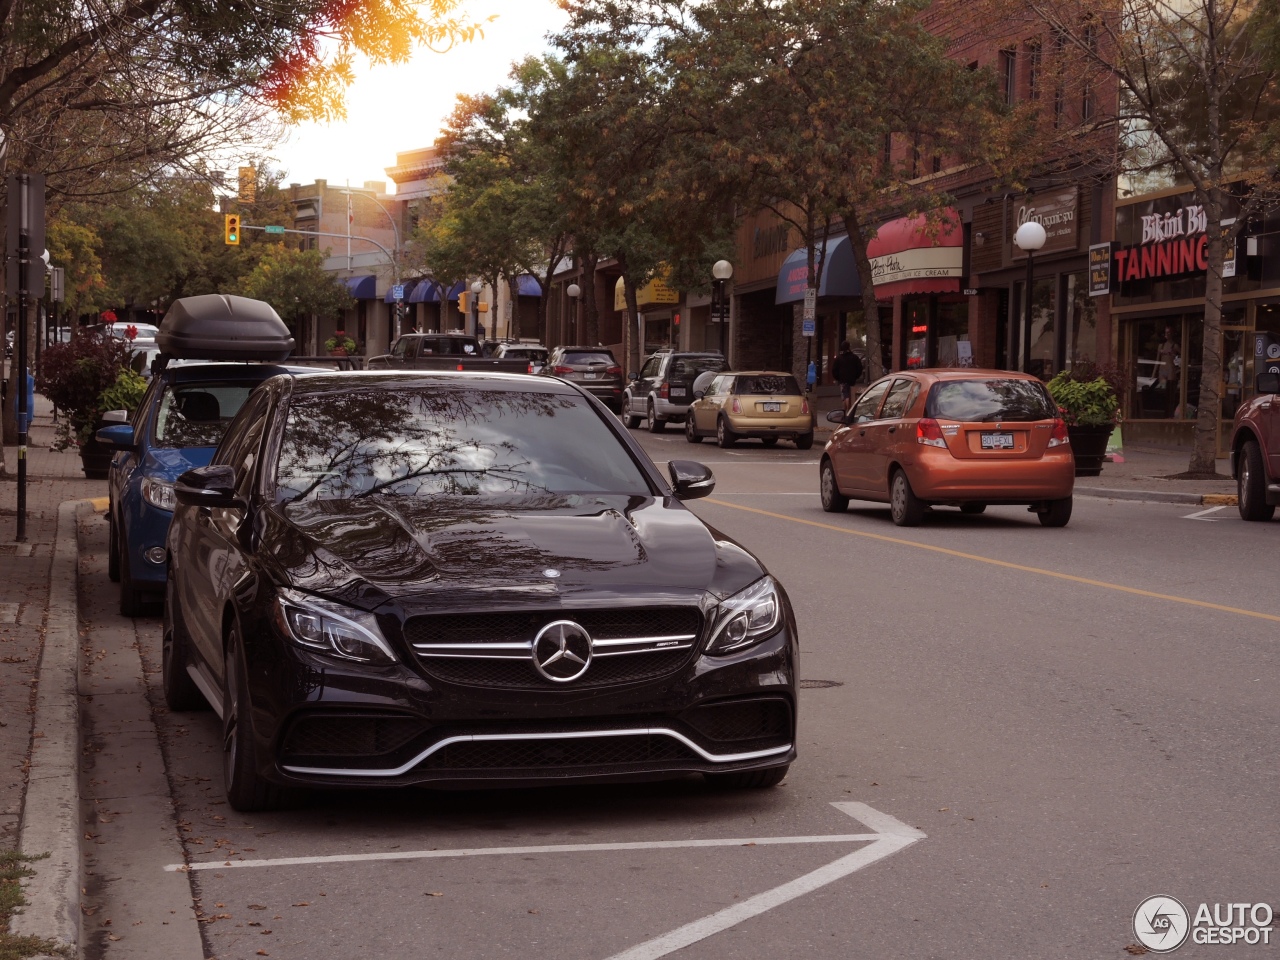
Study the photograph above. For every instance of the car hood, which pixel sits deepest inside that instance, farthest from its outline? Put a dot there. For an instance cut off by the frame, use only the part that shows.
(171, 462)
(459, 552)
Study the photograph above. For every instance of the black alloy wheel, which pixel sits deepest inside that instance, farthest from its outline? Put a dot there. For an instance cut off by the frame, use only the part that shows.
(246, 789)
(181, 695)
(1251, 484)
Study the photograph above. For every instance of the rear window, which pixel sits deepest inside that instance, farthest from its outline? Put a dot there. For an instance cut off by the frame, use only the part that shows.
(981, 401)
(573, 357)
(753, 386)
(687, 368)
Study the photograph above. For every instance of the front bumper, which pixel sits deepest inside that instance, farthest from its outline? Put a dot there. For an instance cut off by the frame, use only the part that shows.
(144, 528)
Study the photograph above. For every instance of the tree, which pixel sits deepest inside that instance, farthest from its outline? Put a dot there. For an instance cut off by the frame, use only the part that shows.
(296, 284)
(1199, 100)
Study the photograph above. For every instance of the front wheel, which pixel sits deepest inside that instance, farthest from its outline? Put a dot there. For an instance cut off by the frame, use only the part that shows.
(724, 436)
(181, 694)
(245, 787)
(1057, 514)
(748, 779)
(833, 501)
(1251, 485)
(690, 431)
(905, 507)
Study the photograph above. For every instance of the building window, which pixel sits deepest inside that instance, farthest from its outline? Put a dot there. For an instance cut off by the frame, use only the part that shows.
(1034, 69)
(888, 152)
(937, 163)
(1089, 37)
(1009, 70)
(1059, 90)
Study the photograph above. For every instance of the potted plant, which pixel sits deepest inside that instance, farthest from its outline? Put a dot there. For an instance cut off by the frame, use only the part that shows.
(82, 379)
(340, 345)
(1091, 409)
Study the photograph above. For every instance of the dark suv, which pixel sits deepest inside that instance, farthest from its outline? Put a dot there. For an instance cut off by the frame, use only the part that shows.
(592, 368)
(663, 389)
(1255, 450)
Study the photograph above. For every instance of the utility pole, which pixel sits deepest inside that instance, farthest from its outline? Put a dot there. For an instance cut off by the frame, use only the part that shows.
(25, 246)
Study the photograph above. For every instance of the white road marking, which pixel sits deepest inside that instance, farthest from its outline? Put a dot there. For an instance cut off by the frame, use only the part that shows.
(894, 835)
(1204, 515)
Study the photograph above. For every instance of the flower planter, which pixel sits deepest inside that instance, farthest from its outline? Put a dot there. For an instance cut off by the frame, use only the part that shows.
(95, 459)
(1089, 447)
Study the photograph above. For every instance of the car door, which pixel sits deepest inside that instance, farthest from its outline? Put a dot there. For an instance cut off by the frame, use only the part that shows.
(641, 386)
(850, 447)
(886, 434)
(712, 402)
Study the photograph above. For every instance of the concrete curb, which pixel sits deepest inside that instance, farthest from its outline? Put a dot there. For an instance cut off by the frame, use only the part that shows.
(51, 808)
(1159, 496)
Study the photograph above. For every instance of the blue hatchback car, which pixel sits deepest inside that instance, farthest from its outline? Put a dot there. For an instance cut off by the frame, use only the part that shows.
(177, 426)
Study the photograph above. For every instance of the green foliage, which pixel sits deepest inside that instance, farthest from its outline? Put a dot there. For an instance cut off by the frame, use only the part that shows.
(296, 283)
(340, 341)
(1091, 403)
(125, 394)
(13, 869)
(74, 377)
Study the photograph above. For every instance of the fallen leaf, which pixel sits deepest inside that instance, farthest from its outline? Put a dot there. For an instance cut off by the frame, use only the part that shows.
(533, 911)
(112, 936)
(1136, 949)
(263, 953)
(943, 809)
(256, 906)
(303, 903)
(433, 893)
(874, 784)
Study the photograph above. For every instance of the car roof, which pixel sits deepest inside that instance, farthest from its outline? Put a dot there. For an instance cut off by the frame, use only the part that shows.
(964, 373)
(584, 349)
(198, 371)
(336, 382)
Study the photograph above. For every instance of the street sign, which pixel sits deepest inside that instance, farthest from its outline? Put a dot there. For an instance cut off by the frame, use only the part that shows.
(810, 306)
(807, 327)
(273, 229)
(397, 292)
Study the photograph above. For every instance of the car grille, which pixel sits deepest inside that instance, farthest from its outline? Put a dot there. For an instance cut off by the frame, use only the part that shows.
(495, 650)
(350, 735)
(766, 718)
(591, 752)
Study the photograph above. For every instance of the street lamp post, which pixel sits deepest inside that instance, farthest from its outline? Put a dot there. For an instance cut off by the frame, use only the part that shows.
(476, 329)
(575, 292)
(395, 260)
(722, 271)
(1030, 238)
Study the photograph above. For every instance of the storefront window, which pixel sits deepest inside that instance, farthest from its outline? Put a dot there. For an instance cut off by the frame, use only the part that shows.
(954, 348)
(1082, 321)
(1043, 307)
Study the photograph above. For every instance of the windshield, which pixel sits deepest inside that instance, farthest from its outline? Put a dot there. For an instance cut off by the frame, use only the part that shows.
(458, 441)
(984, 401)
(197, 414)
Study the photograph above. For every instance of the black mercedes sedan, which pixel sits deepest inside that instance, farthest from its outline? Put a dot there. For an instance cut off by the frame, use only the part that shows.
(465, 579)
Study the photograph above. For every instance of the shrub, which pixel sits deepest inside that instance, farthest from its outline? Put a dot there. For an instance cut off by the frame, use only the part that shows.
(1091, 403)
(74, 376)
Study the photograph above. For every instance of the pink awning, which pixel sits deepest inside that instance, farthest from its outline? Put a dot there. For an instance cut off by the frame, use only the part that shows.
(918, 255)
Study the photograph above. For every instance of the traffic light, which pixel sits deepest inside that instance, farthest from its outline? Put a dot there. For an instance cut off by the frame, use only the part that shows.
(232, 234)
(462, 303)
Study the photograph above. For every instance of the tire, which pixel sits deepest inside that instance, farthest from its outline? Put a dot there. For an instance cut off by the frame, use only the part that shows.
(113, 550)
(130, 596)
(905, 508)
(833, 501)
(748, 779)
(724, 436)
(181, 694)
(632, 420)
(804, 441)
(656, 423)
(246, 790)
(973, 508)
(1058, 514)
(690, 432)
(1251, 484)
(769, 441)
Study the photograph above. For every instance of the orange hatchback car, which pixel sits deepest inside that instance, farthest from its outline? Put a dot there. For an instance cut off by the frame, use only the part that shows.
(959, 437)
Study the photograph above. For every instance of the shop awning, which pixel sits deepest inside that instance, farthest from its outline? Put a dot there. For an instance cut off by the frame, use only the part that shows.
(456, 290)
(839, 273)
(363, 287)
(408, 288)
(527, 285)
(657, 292)
(425, 291)
(913, 255)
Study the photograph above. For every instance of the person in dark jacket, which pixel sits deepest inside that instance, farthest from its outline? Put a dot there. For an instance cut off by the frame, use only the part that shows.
(846, 370)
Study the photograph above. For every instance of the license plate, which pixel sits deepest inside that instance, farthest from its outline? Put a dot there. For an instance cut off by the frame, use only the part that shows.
(997, 441)
(589, 376)
(772, 407)
(677, 391)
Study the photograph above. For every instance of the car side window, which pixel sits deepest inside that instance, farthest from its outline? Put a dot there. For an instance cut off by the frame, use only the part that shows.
(401, 345)
(140, 415)
(650, 369)
(239, 448)
(899, 399)
(867, 405)
(722, 386)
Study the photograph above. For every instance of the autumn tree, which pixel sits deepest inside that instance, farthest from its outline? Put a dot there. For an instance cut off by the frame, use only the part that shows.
(296, 284)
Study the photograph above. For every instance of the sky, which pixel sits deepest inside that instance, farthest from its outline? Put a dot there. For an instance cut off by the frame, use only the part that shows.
(396, 108)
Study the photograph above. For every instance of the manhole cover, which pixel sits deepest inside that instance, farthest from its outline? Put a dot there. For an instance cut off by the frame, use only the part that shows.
(819, 684)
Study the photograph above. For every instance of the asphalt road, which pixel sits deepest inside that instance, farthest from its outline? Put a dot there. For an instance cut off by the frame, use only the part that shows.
(1075, 719)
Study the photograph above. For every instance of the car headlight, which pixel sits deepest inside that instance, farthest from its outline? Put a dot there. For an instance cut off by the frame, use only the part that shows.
(158, 493)
(332, 628)
(746, 618)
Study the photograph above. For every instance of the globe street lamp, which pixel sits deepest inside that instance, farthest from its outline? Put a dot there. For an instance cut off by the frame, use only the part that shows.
(575, 292)
(1029, 238)
(722, 271)
(476, 329)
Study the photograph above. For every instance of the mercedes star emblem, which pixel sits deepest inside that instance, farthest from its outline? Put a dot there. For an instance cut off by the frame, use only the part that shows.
(562, 651)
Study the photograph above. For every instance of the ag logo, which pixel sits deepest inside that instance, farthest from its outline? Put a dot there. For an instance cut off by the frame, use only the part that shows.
(1161, 924)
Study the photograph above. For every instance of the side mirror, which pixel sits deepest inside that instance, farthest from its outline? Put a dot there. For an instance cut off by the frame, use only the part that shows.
(836, 416)
(115, 416)
(633, 376)
(213, 486)
(690, 479)
(118, 435)
(1268, 383)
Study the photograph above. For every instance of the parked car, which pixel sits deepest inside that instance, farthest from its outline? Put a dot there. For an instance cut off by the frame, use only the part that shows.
(465, 580)
(141, 331)
(442, 351)
(763, 404)
(535, 353)
(663, 388)
(592, 368)
(960, 437)
(1255, 450)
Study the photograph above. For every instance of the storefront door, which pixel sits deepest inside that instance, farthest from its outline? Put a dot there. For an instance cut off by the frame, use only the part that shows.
(1237, 350)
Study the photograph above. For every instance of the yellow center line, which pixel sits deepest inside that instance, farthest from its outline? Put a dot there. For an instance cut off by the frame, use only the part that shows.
(1119, 588)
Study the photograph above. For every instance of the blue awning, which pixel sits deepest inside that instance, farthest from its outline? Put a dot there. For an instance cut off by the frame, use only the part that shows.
(839, 273)
(527, 285)
(408, 286)
(425, 291)
(363, 288)
(456, 290)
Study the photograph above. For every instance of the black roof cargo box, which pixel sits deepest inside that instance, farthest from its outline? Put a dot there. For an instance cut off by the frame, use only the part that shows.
(220, 327)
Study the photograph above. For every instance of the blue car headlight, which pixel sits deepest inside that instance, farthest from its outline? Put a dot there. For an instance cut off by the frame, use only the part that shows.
(331, 628)
(746, 618)
(158, 493)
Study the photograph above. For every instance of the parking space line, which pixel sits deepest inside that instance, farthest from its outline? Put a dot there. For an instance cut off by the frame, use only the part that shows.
(1039, 571)
(894, 835)
(1204, 514)
(545, 848)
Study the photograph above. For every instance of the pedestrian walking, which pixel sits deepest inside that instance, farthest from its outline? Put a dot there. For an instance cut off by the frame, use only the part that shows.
(846, 371)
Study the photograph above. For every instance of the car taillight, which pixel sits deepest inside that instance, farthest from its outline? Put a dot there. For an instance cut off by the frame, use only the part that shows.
(664, 391)
(804, 407)
(614, 371)
(929, 433)
(1059, 435)
(460, 366)
(562, 371)
(530, 370)
(735, 406)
